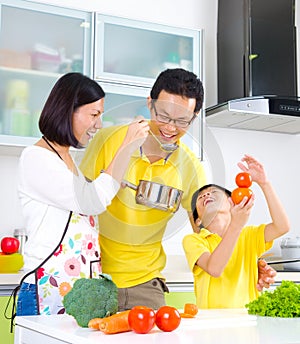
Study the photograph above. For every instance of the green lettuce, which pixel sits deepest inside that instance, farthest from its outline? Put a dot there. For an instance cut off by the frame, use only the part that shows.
(283, 302)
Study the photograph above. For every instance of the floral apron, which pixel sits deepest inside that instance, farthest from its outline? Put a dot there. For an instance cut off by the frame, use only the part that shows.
(77, 256)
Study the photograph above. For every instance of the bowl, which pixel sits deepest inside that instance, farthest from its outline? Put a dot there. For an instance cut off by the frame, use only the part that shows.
(10, 263)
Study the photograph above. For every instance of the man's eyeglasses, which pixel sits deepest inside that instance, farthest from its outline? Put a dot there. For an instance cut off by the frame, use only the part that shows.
(180, 123)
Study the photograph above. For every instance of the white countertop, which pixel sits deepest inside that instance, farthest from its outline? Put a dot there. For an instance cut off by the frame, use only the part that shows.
(209, 326)
(11, 279)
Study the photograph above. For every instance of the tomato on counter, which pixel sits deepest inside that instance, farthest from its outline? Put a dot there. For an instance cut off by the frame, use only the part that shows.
(141, 319)
(167, 318)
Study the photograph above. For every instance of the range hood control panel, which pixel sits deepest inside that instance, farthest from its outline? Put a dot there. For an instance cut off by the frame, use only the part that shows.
(263, 113)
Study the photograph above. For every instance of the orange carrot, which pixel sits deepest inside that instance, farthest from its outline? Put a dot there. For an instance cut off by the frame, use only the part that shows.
(94, 323)
(186, 315)
(190, 308)
(115, 323)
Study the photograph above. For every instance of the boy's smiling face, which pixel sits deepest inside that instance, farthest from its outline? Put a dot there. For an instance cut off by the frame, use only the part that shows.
(210, 202)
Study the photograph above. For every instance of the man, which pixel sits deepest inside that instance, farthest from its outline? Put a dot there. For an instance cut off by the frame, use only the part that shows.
(130, 233)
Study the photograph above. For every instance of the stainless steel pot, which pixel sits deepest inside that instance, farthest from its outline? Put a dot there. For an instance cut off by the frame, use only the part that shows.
(290, 249)
(155, 195)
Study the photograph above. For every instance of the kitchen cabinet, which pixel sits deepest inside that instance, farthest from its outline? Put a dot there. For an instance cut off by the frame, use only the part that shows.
(8, 282)
(129, 56)
(250, 62)
(123, 103)
(179, 299)
(134, 52)
(46, 42)
(6, 336)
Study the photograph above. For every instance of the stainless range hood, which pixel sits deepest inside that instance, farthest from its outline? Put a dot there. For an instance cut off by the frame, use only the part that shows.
(262, 113)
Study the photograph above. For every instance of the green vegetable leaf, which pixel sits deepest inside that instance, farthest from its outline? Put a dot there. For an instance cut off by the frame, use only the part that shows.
(283, 302)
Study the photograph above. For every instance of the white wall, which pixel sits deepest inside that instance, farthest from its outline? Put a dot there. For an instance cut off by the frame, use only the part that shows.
(279, 154)
(224, 147)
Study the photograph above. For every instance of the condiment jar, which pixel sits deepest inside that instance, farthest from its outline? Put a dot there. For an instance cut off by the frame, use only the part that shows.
(20, 234)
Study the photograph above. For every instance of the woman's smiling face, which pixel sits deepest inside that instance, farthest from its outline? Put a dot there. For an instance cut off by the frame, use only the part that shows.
(87, 121)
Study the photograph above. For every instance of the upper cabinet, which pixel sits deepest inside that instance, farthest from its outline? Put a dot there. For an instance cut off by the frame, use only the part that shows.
(135, 52)
(130, 54)
(38, 43)
(125, 56)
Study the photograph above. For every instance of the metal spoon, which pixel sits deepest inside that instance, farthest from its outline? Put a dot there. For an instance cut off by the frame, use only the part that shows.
(167, 147)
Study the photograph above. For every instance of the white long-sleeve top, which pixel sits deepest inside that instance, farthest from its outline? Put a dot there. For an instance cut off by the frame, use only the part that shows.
(48, 190)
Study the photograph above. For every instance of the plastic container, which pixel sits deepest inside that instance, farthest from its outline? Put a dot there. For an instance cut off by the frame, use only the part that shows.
(45, 62)
(10, 263)
(17, 94)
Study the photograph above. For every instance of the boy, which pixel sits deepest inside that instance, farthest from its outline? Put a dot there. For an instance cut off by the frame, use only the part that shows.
(223, 255)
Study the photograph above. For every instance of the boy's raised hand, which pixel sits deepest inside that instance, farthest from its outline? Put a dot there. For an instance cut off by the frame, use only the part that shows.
(254, 168)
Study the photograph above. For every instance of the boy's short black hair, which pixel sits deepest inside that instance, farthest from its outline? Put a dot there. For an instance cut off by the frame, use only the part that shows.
(196, 193)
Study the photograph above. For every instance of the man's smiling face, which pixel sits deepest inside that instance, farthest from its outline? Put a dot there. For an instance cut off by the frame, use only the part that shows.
(180, 111)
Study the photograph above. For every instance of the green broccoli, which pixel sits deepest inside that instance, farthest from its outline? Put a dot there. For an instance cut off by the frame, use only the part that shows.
(91, 298)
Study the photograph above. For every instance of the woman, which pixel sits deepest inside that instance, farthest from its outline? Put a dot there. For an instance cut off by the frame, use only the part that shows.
(58, 203)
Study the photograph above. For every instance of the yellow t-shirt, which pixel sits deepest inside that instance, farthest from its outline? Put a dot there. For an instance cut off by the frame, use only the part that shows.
(237, 284)
(130, 233)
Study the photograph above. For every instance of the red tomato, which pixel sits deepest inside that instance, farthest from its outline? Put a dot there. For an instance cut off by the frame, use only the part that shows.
(243, 180)
(10, 245)
(167, 318)
(141, 319)
(238, 194)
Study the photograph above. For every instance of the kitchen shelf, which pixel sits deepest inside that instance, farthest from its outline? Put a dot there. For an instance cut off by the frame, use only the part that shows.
(29, 72)
(32, 58)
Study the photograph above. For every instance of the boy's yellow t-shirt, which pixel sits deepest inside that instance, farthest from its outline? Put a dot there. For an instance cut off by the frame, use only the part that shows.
(237, 284)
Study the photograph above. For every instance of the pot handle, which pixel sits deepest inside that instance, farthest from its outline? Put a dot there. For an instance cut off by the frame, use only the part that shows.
(292, 260)
(130, 185)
